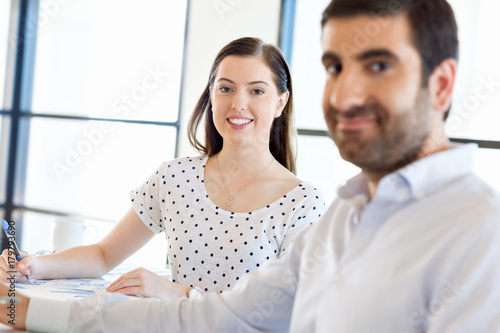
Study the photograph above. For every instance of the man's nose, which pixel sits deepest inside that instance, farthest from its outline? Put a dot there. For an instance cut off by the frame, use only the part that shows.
(348, 91)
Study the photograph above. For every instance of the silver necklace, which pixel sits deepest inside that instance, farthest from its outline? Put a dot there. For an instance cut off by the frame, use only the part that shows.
(230, 200)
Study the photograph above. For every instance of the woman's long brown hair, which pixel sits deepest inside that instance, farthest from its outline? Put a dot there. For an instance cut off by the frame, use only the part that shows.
(283, 133)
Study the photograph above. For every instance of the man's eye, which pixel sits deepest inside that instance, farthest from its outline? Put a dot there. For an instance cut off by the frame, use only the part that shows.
(334, 69)
(378, 67)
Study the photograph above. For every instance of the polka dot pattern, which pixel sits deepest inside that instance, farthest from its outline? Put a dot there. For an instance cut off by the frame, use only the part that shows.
(209, 247)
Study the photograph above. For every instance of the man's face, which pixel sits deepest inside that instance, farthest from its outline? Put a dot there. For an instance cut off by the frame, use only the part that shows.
(376, 110)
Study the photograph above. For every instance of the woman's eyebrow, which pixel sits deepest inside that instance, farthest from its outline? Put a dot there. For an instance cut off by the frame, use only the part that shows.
(249, 83)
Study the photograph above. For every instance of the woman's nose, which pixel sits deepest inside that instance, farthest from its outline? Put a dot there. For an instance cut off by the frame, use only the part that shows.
(240, 102)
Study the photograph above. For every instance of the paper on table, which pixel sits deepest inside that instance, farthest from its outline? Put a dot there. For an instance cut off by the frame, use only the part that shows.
(125, 268)
(62, 288)
(77, 288)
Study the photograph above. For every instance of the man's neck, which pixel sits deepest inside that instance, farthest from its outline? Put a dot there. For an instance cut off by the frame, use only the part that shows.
(373, 178)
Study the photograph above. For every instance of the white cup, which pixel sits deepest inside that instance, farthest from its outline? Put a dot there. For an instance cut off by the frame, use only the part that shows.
(69, 233)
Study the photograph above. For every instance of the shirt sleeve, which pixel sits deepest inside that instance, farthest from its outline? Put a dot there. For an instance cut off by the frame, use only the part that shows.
(46, 315)
(261, 302)
(467, 295)
(104, 312)
(310, 208)
(145, 198)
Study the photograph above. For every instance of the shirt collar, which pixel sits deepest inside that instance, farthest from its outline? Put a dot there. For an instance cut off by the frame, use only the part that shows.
(421, 177)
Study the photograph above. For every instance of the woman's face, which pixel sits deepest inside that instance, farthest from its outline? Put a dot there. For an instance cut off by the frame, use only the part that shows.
(245, 101)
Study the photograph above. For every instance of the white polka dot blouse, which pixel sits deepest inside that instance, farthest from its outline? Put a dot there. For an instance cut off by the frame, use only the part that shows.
(209, 247)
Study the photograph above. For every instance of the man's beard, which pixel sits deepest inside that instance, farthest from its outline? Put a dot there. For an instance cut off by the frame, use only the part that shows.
(399, 140)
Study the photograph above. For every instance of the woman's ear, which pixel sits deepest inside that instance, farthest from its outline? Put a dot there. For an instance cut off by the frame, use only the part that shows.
(441, 83)
(283, 99)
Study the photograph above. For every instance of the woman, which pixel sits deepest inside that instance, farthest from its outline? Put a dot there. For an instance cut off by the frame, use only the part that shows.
(224, 213)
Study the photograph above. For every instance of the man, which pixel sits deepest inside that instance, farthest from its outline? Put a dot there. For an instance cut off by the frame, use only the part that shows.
(412, 243)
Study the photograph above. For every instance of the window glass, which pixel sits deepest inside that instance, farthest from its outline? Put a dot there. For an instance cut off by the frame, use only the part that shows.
(486, 166)
(4, 43)
(477, 94)
(89, 167)
(307, 71)
(109, 59)
(319, 162)
(38, 229)
(4, 149)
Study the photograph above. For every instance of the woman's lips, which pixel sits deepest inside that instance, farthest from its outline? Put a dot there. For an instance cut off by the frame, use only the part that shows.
(239, 123)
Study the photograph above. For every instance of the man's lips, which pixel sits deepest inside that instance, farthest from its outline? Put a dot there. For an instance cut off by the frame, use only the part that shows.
(355, 123)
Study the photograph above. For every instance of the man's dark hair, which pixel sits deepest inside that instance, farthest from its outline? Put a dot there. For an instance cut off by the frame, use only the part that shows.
(432, 22)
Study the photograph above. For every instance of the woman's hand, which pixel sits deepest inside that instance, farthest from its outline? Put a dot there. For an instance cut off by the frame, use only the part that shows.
(10, 267)
(142, 282)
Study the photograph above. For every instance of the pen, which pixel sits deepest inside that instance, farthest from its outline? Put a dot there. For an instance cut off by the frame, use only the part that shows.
(19, 257)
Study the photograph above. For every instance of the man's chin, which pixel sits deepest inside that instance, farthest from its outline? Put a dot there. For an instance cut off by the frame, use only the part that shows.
(363, 158)
(352, 155)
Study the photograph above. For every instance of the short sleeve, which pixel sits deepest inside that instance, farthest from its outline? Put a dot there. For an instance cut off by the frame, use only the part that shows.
(146, 201)
(309, 207)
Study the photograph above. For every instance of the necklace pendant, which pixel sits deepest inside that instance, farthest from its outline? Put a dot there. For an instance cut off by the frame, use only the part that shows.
(229, 200)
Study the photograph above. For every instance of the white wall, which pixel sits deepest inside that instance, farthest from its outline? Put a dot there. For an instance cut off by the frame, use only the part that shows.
(213, 24)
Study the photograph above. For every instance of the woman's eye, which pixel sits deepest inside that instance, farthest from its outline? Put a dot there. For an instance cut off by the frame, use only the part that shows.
(258, 92)
(224, 89)
(378, 67)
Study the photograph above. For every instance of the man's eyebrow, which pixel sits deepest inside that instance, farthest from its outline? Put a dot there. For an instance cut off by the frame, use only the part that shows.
(253, 82)
(330, 56)
(375, 54)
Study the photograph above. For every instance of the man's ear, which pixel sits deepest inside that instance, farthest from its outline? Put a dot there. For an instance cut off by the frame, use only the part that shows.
(441, 83)
(281, 103)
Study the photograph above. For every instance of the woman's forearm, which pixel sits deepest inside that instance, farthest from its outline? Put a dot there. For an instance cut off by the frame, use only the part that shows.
(77, 262)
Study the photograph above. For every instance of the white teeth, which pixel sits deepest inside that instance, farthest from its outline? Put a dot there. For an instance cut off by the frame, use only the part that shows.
(239, 121)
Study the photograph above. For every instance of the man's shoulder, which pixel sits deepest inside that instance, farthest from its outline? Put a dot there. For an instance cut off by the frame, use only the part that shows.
(465, 203)
(473, 188)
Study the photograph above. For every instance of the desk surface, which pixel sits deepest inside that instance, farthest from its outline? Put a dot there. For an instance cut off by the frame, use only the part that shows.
(73, 289)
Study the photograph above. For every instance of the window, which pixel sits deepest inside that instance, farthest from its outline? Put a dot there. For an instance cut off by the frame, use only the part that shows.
(127, 67)
(320, 163)
(477, 95)
(98, 109)
(4, 119)
(474, 116)
(318, 159)
(4, 43)
(3, 157)
(91, 164)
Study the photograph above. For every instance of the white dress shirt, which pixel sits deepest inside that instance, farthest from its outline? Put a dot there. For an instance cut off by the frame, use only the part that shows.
(423, 255)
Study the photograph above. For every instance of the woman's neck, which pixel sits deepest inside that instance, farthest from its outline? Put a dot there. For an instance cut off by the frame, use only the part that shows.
(244, 160)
